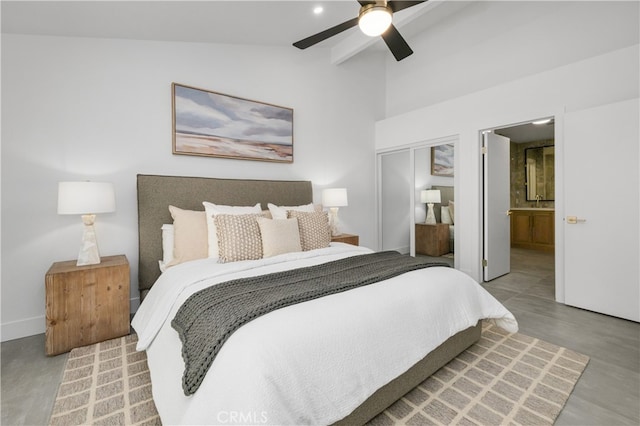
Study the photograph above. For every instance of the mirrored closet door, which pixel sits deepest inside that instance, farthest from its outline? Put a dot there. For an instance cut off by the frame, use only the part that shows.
(416, 203)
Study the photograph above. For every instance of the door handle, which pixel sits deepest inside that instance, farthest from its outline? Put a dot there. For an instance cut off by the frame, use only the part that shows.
(572, 220)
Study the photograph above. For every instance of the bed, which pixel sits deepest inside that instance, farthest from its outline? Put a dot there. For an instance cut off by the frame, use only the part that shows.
(341, 359)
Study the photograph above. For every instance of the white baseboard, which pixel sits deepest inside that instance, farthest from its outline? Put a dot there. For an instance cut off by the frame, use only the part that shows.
(402, 250)
(22, 328)
(31, 326)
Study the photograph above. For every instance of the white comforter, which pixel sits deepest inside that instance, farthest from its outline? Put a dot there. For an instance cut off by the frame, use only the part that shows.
(314, 362)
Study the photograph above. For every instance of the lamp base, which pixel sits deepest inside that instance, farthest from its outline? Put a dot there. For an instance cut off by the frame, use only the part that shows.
(89, 254)
(334, 222)
(431, 217)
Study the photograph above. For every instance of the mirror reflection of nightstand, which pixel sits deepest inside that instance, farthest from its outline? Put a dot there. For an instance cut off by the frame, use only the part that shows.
(346, 238)
(432, 239)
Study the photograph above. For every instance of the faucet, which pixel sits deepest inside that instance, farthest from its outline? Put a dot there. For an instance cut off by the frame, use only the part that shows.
(538, 198)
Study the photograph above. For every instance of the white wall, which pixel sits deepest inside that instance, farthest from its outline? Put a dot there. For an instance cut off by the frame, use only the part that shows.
(597, 81)
(492, 64)
(481, 44)
(78, 109)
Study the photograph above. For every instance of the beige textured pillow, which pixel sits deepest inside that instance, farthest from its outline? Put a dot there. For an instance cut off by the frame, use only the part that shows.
(189, 235)
(279, 236)
(452, 207)
(314, 229)
(238, 237)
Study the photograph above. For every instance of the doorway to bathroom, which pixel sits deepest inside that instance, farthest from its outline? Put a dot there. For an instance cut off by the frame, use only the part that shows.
(519, 207)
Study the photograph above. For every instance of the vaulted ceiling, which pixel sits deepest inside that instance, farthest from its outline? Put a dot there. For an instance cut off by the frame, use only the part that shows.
(268, 23)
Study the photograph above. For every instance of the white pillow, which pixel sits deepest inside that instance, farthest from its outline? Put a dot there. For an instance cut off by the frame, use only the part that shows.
(167, 246)
(445, 215)
(212, 210)
(280, 212)
(279, 236)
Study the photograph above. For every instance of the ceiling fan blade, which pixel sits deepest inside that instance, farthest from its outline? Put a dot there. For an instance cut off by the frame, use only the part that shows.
(321, 36)
(399, 5)
(396, 43)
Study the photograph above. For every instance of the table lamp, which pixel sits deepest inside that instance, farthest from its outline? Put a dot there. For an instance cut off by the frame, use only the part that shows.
(86, 199)
(333, 198)
(430, 196)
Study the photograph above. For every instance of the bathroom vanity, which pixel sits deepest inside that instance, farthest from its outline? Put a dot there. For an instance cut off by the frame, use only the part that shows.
(533, 228)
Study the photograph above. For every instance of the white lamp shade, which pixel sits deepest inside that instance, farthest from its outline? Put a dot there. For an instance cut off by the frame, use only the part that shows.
(375, 20)
(430, 196)
(86, 198)
(334, 197)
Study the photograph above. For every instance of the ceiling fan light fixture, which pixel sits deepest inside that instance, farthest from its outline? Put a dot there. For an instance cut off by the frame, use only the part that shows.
(374, 19)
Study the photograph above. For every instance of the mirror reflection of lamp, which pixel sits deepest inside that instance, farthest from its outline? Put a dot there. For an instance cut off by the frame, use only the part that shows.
(430, 196)
(86, 199)
(333, 198)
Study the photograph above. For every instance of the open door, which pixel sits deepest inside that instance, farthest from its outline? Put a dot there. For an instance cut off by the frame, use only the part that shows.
(602, 208)
(497, 225)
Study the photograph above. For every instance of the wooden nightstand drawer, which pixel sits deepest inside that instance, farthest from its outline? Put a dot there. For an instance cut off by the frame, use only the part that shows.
(86, 304)
(346, 238)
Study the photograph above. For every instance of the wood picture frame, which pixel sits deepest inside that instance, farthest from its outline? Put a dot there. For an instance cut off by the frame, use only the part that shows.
(213, 124)
(442, 157)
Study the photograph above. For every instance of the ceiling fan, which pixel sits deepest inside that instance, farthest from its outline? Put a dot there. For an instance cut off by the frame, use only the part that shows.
(374, 19)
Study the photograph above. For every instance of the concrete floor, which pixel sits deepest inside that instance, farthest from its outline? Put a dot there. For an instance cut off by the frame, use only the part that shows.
(608, 393)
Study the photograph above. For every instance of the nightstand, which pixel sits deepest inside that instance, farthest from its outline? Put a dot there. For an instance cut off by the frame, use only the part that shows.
(432, 239)
(346, 238)
(86, 304)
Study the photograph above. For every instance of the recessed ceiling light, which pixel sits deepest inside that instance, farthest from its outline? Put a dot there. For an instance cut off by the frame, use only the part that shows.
(318, 10)
(545, 121)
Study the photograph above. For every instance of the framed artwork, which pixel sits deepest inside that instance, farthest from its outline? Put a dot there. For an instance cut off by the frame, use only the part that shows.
(442, 160)
(216, 125)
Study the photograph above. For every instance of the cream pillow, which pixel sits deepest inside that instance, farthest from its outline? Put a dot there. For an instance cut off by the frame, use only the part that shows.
(452, 211)
(238, 237)
(280, 212)
(279, 236)
(189, 235)
(216, 209)
(314, 229)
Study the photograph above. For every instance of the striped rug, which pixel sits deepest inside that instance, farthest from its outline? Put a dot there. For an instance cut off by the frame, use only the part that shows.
(502, 379)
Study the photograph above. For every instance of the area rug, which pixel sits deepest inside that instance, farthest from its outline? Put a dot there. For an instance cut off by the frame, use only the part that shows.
(502, 379)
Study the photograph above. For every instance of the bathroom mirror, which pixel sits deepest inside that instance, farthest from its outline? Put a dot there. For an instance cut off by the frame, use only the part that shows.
(539, 173)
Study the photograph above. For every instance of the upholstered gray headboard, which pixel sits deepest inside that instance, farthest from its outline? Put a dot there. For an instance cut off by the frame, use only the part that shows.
(446, 195)
(156, 193)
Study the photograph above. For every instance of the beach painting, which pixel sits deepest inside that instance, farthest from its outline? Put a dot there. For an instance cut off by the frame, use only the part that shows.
(442, 160)
(217, 125)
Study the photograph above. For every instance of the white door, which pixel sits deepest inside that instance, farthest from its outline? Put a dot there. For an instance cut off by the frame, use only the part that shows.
(601, 196)
(497, 225)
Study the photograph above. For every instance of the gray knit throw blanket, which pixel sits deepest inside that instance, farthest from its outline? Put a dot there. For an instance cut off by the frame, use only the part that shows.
(207, 318)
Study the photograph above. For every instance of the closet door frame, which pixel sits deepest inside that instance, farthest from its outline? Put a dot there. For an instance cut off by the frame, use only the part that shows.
(412, 174)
